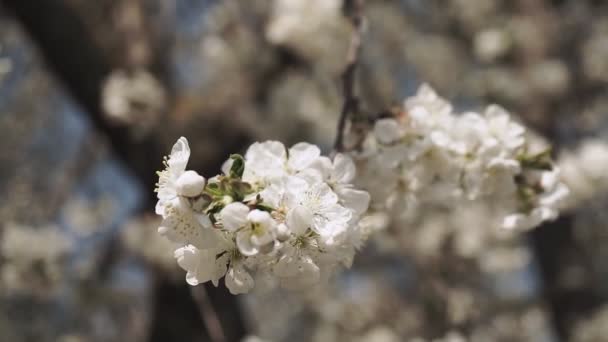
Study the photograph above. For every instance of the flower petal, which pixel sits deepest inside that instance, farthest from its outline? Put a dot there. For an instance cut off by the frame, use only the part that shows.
(299, 219)
(302, 155)
(358, 200)
(200, 264)
(243, 242)
(388, 131)
(234, 216)
(238, 280)
(344, 169)
(180, 153)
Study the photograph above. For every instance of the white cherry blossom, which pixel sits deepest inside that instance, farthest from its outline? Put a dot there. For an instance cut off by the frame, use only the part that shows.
(288, 215)
(429, 158)
(175, 166)
(182, 225)
(259, 232)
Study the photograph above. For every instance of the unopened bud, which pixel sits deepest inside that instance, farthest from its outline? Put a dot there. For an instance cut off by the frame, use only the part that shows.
(282, 232)
(190, 184)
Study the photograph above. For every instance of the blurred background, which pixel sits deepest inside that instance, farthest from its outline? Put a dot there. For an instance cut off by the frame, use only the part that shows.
(94, 93)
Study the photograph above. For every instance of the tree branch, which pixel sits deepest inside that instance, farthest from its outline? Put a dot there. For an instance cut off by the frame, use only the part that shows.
(353, 9)
(208, 315)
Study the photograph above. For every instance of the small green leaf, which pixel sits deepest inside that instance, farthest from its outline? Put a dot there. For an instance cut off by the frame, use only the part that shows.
(239, 189)
(540, 161)
(214, 190)
(214, 208)
(264, 207)
(238, 166)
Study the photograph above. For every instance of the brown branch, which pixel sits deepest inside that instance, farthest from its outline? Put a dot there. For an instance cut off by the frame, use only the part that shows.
(208, 315)
(354, 11)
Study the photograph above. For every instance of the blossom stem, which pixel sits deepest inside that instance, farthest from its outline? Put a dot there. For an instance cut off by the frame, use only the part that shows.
(208, 314)
(350, 104)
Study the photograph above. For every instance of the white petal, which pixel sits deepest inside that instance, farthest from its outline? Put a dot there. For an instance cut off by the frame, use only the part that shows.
(187, 257)
(167, 189)
(204, 220)
(539, 215)
(324, 194)
(265, 230)
(285, 267)
(261, 217)
(227, 166)
(302, 155)
(511, 165)
(344, 169)
(427, 92)
(358, 200)
(272, 195)
(497, 112)
(181, 226)
(199, 264)
(323, 166)
(303, 274)
(268, 150)
(264, 162)
(311, 175)
(549, 179)
(238, 280)
(243, 242)
(221, 265)
(440, 138)
(333, 221)
(294, 189)
(553, 199)
(299, 219)
(159, 209)
(180, 153)
(234, 216)
(388, 131)
(261, 240)
(517, 222)
(392, 156)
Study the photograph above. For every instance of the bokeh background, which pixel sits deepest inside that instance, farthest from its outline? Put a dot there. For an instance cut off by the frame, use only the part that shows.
(94, 93)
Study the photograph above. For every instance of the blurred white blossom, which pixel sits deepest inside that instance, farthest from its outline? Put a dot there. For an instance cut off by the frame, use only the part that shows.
(584, 170)
(428, 157)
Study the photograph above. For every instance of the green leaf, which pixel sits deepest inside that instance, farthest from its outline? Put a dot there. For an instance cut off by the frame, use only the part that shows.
(239, 189)
(540, 161)
(238, 166)
(264, 207)
(214, 190)
(214, 208)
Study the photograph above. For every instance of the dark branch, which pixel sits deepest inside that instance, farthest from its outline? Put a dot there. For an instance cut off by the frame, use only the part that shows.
(353, 9)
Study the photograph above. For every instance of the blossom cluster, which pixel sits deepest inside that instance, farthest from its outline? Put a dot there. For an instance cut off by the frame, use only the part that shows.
(286, 216)
(427, 156)
(584, 171)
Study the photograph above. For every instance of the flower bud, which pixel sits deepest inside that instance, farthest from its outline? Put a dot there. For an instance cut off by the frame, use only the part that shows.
(282, 232)
(234, 216)
(190, 184)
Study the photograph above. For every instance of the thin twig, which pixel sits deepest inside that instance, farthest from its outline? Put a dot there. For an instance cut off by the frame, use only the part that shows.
(354, 11)
(208, 314)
